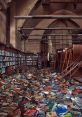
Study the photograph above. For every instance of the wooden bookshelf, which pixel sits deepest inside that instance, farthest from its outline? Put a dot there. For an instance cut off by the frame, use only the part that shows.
(12, 59)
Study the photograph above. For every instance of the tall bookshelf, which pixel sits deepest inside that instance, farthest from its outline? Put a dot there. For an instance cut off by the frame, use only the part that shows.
(32, 59)
(2, 59)
(11, 58)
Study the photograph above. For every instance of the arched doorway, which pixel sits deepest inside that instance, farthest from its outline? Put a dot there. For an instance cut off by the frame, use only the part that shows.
(55, 44)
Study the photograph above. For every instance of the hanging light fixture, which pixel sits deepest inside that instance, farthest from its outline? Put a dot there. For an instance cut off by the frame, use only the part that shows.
(75, 4)
(45, 2)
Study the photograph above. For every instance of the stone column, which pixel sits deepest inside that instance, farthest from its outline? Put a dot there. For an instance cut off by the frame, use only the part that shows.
(2, 27)
(12, 24)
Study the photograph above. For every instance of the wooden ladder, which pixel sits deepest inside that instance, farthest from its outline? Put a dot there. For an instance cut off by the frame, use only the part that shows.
(73, 67)
(67, 59)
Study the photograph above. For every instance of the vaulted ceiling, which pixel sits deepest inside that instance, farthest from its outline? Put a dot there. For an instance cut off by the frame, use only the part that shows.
(56, 7)
(43, 7)
(4, 4)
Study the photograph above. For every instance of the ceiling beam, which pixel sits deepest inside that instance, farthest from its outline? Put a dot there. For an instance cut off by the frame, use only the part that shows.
(65, 1)
(49, 17)
(49, 39)
(55, 35)
(59, 28)
(48, 2)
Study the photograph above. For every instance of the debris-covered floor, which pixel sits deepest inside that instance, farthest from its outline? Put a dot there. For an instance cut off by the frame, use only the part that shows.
(40, 93)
